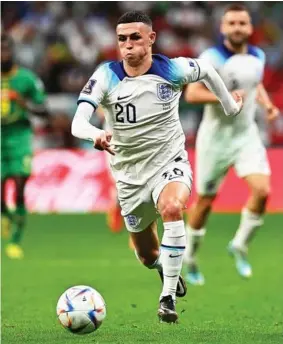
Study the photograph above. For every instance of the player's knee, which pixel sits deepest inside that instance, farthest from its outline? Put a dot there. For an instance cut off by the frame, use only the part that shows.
(172, 210)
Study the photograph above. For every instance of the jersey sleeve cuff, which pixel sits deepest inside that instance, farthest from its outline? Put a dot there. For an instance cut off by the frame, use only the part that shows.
(198, 69)
(91, 102)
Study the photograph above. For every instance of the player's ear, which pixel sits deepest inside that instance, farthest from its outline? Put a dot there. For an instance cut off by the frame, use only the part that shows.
(152, 37)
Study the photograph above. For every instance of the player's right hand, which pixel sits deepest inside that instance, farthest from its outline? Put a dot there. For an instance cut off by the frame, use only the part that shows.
(102, 142)
(239, 96)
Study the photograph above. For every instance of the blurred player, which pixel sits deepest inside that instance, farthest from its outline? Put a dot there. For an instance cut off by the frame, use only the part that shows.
(18, 86)
(223, 141)
(140, 96)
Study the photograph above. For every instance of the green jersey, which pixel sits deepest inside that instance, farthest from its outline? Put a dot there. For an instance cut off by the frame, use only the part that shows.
(29, 87)
(16, 131)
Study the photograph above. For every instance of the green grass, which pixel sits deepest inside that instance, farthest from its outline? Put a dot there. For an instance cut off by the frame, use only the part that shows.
(66, 250)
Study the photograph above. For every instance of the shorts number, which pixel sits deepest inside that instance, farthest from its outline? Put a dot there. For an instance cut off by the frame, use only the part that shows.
(130, 113)
(176, 172)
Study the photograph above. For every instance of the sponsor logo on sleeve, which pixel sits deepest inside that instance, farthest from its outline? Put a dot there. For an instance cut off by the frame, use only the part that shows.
(89, 86)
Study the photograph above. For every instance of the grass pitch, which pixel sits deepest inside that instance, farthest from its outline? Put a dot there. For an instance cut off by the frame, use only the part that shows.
(66, 250)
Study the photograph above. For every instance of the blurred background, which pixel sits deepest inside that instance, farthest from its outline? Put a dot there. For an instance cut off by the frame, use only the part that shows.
(63, 42)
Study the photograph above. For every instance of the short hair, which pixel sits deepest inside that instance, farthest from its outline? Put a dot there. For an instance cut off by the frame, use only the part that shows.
(236, 8)
(135, 17)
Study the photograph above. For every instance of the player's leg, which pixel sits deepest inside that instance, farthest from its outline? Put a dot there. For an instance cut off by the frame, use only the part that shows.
(252, 214)
(197, 219)
(212, 163)
(171, 202)
(251, 165)
(251, 221)
(147, 247)
(14, 249)
(5, 214)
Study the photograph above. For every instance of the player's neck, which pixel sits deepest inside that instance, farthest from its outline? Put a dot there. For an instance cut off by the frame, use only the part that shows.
(242, 49)
(140, 69)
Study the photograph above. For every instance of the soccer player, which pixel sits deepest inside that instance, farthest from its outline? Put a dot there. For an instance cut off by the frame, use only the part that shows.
(19, 87)
(140, 97)
(224, 141)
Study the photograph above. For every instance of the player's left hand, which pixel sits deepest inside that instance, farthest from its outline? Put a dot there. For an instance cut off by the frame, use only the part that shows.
(272, 112)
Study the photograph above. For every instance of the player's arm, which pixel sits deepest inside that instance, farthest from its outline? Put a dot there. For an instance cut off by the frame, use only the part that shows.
(231, 103)
(88, 102)
(198, 93)
(82, 129)
(37, 109)
(36, 99)
(263, 98)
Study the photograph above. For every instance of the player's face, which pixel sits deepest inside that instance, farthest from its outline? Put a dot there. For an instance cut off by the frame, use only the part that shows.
(135, 41)
(6, 53)
(236, 27)
(6, 57)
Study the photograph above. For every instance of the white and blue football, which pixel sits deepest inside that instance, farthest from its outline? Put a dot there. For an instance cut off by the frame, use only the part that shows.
(81, 309)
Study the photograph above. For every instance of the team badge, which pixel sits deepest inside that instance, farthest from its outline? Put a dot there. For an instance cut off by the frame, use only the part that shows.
(132, 221)
(164, 91)
(89, 86)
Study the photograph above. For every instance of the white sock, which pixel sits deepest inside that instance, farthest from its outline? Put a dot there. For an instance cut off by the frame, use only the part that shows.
(172, 250)
(194, 238)
(155, 265)
(248, 224)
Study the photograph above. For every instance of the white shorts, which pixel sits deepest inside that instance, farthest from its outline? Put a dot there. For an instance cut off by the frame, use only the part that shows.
(247, 156)
(138, 202)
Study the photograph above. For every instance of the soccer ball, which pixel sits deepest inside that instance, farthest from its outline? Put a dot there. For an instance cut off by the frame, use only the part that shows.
(81, 309)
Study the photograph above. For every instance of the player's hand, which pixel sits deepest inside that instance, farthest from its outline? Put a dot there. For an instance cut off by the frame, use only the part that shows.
(272, 112)
(239, 96)
(102, 142)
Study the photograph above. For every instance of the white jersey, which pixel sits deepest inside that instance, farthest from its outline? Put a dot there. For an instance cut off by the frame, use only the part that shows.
(224, 141)
(142, 114)
(238, 71)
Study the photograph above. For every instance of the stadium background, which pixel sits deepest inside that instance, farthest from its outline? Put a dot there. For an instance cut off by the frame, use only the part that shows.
(63, 42)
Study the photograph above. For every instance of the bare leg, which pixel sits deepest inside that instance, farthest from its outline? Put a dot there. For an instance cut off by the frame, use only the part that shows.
(146, 244)
(195, 232)
(252, 214)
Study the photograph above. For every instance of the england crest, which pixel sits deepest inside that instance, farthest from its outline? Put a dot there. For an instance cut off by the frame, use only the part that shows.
(132, 221)
(164, 91)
